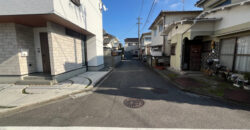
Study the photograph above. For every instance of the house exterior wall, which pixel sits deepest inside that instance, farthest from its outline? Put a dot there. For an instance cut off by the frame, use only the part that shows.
(175, 60)
(88, 16)
(84, 16)
(23, 7)
(169, 19)
(232, 25)
(208, 4)
(131, 48)
(175, 36)
(9, 54)
(15, 38)
(25, 40)
(94, 51)
(65, 51)
(231, 17)
(156, 39)
(145, 42)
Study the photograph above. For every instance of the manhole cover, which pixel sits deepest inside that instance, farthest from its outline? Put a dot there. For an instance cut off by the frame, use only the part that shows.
(133, 102)
(159, 91)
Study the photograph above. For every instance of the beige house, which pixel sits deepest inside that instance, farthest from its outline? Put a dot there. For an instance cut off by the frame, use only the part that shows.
(160, 47)
(221, 31)
(49, 39)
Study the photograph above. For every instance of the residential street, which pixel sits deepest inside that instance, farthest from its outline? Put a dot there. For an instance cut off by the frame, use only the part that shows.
(167, 106)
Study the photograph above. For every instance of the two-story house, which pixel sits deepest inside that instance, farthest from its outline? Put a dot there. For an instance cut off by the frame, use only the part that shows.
(221, 31)
(160, 46)
(110, 41)
(132, 46)
(53, 38)
(145, 42)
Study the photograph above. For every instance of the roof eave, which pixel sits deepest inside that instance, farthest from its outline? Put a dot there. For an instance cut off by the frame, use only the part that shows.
(157, 19)
(199, 3)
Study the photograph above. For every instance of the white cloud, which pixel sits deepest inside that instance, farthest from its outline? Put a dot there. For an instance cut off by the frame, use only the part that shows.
(175, 5)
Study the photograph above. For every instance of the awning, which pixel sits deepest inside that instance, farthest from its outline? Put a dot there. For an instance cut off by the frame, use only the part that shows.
(200, 27)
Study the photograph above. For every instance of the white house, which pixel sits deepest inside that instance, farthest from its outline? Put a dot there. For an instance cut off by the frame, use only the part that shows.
(131, 45)
(145, 43)
(58, 38)
(110, 41)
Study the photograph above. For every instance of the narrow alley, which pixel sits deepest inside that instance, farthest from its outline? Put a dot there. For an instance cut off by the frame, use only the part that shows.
(161, 105)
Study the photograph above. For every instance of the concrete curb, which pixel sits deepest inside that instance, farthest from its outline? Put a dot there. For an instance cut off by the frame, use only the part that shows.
(88, 88)
(103, 78)
(202, 94)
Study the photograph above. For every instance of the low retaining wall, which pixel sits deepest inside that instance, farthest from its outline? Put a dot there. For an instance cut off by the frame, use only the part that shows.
(112, 61)
(109, 60)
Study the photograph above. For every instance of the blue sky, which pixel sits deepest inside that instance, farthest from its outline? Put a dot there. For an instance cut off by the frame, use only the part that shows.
(120, 18)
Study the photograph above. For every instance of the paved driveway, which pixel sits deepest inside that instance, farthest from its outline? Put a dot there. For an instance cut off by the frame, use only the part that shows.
(166, 107)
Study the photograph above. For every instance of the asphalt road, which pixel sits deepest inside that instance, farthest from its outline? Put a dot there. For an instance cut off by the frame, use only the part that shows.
(167, 108)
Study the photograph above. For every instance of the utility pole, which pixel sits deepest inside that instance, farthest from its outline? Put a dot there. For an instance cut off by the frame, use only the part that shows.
(139, 24)
(139, 41)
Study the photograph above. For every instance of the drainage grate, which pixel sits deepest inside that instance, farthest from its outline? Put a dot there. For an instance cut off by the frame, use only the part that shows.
(133, 102)
(159, 91)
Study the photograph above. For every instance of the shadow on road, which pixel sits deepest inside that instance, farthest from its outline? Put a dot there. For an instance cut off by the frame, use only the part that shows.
(132, 79)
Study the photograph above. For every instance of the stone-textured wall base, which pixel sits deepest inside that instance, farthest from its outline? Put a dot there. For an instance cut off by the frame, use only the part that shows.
(95, 68)
(9, 79)
(68, 75)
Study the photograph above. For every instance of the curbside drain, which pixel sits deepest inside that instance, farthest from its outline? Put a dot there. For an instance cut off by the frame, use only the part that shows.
(133, 102)
(159, 90)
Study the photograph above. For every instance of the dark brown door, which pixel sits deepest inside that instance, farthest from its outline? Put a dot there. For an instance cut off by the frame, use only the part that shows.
(195, 57)
(45, 52)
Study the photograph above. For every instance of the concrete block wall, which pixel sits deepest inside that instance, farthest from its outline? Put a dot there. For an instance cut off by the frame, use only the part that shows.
(65, 51)
(9, 63)
(25, 40)
(208, 55)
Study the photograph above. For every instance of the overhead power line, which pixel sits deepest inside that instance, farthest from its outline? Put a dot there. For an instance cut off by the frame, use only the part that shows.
(149, 14)
(130, 29)
(142, 5)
